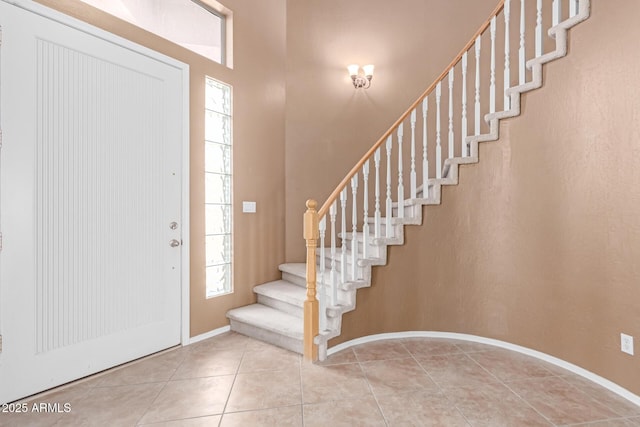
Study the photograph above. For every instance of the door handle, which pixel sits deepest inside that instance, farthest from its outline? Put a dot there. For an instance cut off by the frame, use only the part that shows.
(174, 243)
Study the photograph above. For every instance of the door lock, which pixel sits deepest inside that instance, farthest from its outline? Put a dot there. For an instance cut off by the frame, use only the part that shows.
(173, 225)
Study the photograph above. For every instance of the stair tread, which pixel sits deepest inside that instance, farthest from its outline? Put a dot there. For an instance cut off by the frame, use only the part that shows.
(283, 290)
(263, 317)
(300, 269)
(348, 255)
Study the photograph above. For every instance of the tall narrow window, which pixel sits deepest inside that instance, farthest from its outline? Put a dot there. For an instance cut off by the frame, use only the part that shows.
(218, 196)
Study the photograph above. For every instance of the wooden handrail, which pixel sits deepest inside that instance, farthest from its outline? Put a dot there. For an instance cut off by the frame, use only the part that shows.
(334, 195)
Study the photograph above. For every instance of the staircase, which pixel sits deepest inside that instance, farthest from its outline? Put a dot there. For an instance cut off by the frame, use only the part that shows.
(278, 316)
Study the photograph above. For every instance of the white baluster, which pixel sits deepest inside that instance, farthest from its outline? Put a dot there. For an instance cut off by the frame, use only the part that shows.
(413, 155)
(463, 132)
(376, 215)
(400, 181)
(321, 290)
(389, 206)
(343, 230)
(425, 156)
(438, 146)
(573, 8)
(556, 9)
(507, 52)
(522, 52)
(451, 137)
(365, 224)
(477, 98)
(333, 210)
(539, 29)
(492, 80)
(354, 228)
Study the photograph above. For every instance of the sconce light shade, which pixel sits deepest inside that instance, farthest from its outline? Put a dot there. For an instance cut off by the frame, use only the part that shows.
(368, 70)
(360, 80)
(353, 70)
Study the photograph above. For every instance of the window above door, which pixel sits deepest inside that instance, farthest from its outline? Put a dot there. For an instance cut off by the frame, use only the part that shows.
(202, 26)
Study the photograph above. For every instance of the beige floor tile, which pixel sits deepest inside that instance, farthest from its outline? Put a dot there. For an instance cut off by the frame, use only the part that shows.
(333, 382)
(560, 402)
(626, 422)
(29, 418)
(190, 398)
(149, 370)
(212, 421)
(344, 356)
(430, 346)
(289, 416)
(494, 405)
(617, 404)
(66, 393)
(344, 413)
(213, 362)
(112, 406)
(269, 359)
(509, 365)
(57, 399)
(266, 389)
(455, 370)
(472, 347)
(229, 341)
(555, 369)
(448, 386)
(380, 350)
(421, 409)
(396, 376)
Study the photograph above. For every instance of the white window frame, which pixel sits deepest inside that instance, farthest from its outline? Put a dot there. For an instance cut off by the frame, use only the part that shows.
(213, 7)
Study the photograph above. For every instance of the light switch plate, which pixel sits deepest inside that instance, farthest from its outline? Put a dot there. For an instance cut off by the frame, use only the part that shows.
(626, 344)
(249, 207)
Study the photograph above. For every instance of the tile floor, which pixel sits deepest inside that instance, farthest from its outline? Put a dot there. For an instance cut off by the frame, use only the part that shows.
(232, 380)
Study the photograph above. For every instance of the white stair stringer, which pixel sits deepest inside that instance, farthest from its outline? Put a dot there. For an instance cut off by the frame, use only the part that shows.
(277, 317)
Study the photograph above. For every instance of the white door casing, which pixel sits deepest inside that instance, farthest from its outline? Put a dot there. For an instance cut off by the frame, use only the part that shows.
(92, 172)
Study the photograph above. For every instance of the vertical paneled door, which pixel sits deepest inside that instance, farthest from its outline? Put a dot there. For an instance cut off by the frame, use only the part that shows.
(90, 201)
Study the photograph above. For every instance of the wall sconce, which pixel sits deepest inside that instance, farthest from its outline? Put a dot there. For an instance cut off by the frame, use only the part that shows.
(361, 80)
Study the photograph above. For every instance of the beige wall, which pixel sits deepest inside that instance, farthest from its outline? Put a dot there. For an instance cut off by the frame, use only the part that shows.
(539, 244)
(329, 124)
(258, 90)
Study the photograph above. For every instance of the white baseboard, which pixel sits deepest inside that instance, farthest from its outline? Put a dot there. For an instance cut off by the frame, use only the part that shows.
(622, 392)
(209, 334)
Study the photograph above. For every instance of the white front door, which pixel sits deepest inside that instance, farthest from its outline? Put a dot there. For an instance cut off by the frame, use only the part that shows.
(90, 184)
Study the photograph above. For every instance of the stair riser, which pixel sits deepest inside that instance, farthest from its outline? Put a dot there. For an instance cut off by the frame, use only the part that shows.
(409, 211)
(294, 310)
(344, 297)
(267, 336)
(294, 279)
(360, 271)
(373, 250)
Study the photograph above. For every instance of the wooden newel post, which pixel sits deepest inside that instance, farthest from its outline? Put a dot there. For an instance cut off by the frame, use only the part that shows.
(311, 235)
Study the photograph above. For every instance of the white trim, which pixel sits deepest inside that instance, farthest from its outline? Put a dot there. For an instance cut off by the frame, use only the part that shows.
(620, 391)
(209, 334)
(186, 209)
(69, 21)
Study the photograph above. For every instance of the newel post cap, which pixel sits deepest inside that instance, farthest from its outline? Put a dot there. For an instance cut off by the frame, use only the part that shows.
(311, 231)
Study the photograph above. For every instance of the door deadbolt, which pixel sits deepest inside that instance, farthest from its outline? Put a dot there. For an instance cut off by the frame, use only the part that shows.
(173, 225)
(174, 243)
